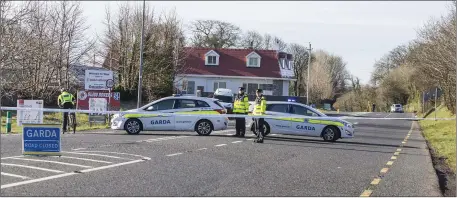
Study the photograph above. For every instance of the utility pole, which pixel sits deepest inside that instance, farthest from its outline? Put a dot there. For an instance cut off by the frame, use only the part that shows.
(307, 79)
(140, 74)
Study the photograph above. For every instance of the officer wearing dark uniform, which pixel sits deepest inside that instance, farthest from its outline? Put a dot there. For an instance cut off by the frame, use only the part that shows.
(373, 107)
(241, 107)
(260, 106)
(65, 101)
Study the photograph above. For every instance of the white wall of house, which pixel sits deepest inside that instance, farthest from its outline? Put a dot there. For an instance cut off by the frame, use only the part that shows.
(229, 83)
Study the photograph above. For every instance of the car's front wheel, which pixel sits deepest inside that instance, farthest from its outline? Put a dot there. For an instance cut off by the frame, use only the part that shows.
(266, 129)
(331, 134)
(133, 126)
(204, 127)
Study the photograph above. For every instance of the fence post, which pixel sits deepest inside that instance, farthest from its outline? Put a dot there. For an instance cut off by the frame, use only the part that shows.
(436, 96)
(8, 122)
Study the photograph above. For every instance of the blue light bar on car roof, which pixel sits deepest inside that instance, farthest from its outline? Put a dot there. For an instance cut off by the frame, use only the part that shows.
(291, 100)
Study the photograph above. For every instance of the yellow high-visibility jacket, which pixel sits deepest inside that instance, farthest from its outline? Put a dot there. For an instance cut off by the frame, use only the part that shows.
(241, 104)
(260, 106)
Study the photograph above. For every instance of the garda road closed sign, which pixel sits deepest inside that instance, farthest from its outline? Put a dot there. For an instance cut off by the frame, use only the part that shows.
(41, 139)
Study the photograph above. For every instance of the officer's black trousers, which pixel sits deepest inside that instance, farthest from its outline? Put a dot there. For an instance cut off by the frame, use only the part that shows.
(240, 125)
(259, 128)
(67, 105)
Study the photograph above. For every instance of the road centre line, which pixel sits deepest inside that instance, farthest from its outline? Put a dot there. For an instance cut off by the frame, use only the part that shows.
(55, 162)
(85, 159)
(236, 142)
(202, 149)
(369, 190)
(32, 167)
(76, 149)
(14, 175)
(220, 145)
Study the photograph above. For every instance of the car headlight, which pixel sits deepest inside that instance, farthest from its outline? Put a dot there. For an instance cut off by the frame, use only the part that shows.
(116, 116)
(349, 125)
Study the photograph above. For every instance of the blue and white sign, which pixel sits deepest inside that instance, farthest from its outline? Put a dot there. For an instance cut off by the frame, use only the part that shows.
(41, 139)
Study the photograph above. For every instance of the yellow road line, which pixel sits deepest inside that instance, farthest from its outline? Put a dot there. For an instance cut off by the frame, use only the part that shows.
(389, 163)
(384, 170)
(398, 150)
(375, 181)
(393, 158)
(366, 193)
(397, 153)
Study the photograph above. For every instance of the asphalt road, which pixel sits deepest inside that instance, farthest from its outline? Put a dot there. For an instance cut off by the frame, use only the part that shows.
(111, 163)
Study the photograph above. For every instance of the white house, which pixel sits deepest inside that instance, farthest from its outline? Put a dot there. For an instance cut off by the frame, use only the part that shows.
(207, 69)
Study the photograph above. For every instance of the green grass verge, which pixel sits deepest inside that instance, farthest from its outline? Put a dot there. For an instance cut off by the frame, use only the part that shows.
(56, 118)
(441, 135)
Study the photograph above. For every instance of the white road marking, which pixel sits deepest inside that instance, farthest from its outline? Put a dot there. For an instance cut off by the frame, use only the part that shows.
(85, 153)
(32, 167)
(274, 134)
(110, 166)
(85, 159)
(220, 145)
(230, 134)
(236, 142)
(201, 149)
(14, 175)
(55, 162)
(387, 115)
(12, 157)
(118, 153)
(76, 149)
(36, 180)
(174, 154)
(249, 139)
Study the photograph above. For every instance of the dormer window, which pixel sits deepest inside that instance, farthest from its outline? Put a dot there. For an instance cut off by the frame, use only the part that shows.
(212, 58)
(253, 60)
(287, 64)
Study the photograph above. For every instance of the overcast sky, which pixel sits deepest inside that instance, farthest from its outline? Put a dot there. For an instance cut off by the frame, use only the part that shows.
(360, 32)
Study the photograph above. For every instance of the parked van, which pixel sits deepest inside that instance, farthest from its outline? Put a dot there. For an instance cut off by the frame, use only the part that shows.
(225, 97)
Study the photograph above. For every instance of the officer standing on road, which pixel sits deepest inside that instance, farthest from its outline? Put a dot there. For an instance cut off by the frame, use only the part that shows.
(260, 106)
(241, 107)
(65, 101)
(373, 107)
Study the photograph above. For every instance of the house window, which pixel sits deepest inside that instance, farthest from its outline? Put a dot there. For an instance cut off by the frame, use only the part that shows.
(218, 85)
(253, 62)
(287, 64)
(212, 58)
(190, 87)
(282, 62)
(252, 87)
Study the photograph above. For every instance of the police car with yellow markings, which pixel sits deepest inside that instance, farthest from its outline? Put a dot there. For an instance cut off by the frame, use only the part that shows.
(329, 128)
(173, 106)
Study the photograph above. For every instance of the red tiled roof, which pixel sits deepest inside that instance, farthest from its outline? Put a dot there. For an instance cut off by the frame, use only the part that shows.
(232, 62)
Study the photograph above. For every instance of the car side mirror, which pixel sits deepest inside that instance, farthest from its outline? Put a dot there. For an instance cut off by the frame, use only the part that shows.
(150, 108)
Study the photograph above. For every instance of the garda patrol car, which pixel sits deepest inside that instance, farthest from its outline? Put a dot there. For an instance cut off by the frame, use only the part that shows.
(329, 128)
(192, 105)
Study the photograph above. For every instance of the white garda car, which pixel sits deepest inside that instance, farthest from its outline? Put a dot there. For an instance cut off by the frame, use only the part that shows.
(329, 128)
(197, 107)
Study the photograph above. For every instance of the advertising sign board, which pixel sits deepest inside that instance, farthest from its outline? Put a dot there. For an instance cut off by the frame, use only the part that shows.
(98, 80)
(29, 117)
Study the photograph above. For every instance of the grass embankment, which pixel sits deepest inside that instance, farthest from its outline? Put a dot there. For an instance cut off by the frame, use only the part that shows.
(55, 118)
(441, 136)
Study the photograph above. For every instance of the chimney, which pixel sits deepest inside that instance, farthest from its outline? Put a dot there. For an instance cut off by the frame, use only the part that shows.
(251, 45)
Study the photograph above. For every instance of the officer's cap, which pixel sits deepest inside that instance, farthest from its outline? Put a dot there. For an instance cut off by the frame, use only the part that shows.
(241, 88)
(259, 90)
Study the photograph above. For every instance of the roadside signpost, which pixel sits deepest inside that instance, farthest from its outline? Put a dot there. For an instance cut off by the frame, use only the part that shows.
(41, 139)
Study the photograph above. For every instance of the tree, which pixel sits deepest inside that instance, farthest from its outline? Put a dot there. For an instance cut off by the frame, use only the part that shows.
(252, 39)
(300, 56)
(214, 34)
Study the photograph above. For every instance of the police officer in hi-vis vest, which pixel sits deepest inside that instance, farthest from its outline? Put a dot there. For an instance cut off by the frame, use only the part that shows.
(241, 106)
(260, 106)
(65, 101)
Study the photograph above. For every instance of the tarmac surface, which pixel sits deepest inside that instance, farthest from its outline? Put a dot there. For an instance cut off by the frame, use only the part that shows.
(111, 163)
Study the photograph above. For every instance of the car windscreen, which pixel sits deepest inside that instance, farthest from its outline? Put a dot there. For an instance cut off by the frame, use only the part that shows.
(226, 99)
(218, 104)
(397, 105)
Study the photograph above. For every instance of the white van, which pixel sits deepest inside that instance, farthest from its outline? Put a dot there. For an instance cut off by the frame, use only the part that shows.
(396, 108)
(225, 97)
